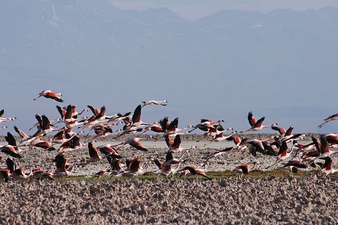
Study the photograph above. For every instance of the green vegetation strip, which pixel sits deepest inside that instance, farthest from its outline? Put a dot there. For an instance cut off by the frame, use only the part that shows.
(277, 173)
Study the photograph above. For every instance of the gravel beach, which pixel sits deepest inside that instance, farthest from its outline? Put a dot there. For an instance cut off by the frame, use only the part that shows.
(167, 200)
(311, 200)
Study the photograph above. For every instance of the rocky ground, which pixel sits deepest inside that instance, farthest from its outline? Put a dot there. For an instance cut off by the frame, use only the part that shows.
(167, 200)
(311, 200)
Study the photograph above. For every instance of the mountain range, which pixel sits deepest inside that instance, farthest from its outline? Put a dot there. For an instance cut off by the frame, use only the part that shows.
(281, 64)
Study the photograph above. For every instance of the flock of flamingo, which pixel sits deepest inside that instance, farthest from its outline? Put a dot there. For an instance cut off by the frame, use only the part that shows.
(284, 145)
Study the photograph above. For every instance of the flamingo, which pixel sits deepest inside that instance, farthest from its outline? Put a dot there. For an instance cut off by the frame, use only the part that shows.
(136, 121)
(217, 130)
(325, 146)
(101, 130)
(327, 166)
(50, 94)
(19, 173)
(134, 168)
(154, 102)
(217, 153)
(165, 168)
(220, 137)
(6, 173)
(118, 117)
(43, 144)
(293, 165)
(257, 125)
(73, 143)
(69, 114)
(329, 119)
(108, 149)
(136, 143)
(62, 136)
(239, 142)
(256, 145)
(62, 166)
(93, 153)
(288, 134)
(194, 171)
(331, 138)
(25, 138)
(174, 144)
(45, 126)
(171, 128)
(283, 153)
(206, 125)
(96, 118)
(281, 130)
(169, 159)
(40, 174)
(10, 165)
(11, 148)
(245, 168)
(3, 119)
(115, 165)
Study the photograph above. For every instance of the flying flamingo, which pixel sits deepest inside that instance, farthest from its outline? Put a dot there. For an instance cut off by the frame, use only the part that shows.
(256, 125)
(3, 119)
(329, 119)
(109, 150)
(62, 166)
(206, 125)
(220, 137)
(136, 121)
(20, 173)
(194, 171)
(71, 144)
(327, 166)
(93, 153)
(283, 153)
(11, 148)
(134, 168)
(24, 137)
(115, 165)
(165, 168)
(245, 168)
(174, 144)
(171, 128)
(293, 165)
(256, 145)
(154, 102)
(239, 142)
(40, 174)
(69, 113)
(98, 117)
(136, 143)
(50, 94)
(118, 117)
(43, 144)
(44, 127)
(217, 153)
(6, 173)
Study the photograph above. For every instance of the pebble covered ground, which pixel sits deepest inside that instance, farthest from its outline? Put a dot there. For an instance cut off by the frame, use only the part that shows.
(310, 200)
(168, 200)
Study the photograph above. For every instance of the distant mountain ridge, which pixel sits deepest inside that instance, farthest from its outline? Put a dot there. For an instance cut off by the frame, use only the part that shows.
(82, 47)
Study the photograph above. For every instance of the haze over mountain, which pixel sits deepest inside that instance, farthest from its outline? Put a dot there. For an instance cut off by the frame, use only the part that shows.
(282, 65)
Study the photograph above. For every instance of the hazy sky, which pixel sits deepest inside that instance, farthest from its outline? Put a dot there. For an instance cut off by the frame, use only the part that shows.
(195, 9)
